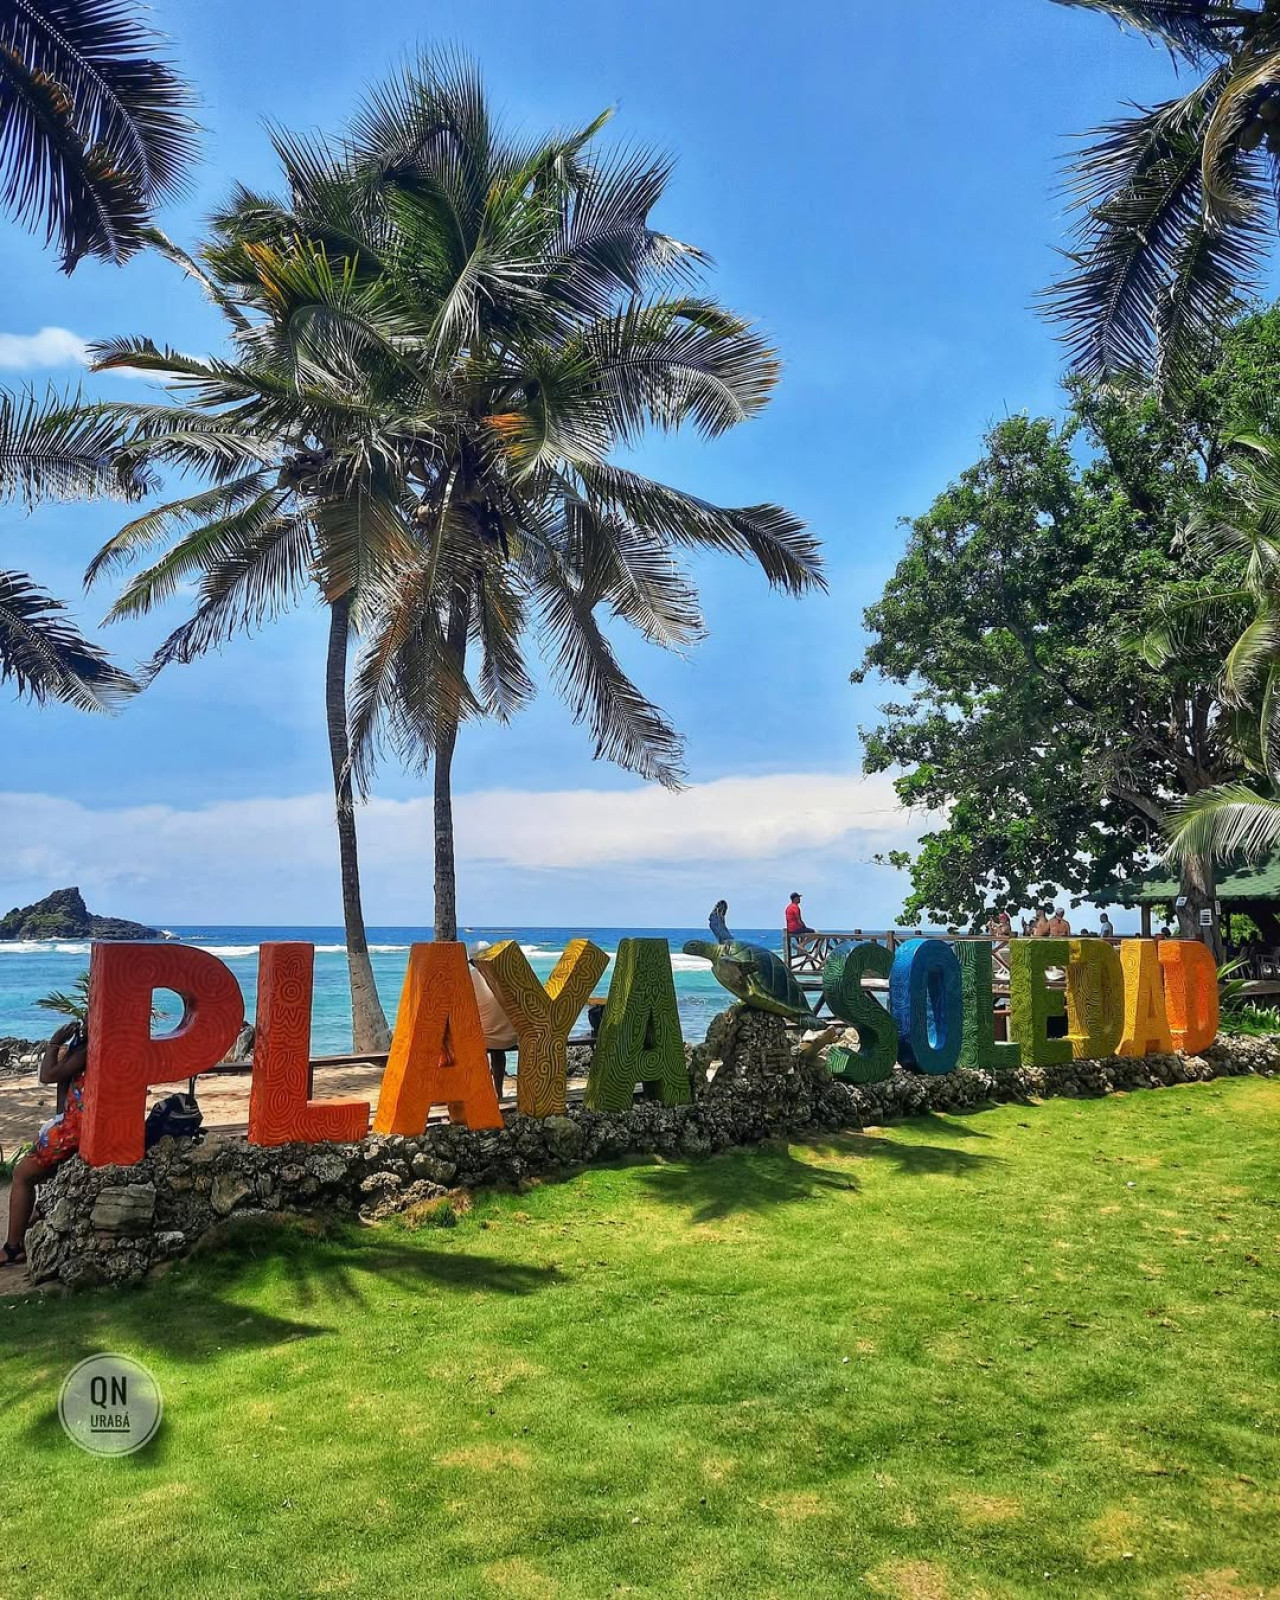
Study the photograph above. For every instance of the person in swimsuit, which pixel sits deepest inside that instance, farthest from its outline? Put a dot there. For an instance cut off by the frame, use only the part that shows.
(65, 1057)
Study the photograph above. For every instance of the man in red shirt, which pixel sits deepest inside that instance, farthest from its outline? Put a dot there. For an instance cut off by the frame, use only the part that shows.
(797, 927)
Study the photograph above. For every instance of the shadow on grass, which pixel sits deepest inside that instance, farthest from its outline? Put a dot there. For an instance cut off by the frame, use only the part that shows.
(767, 1176)
(194, 1316)
(753, 1180)
(916, 1159)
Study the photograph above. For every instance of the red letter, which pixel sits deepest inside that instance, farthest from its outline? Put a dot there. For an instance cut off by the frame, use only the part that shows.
(437, 1055)
(123, 1057)
(1190, 993)
(279, 1110)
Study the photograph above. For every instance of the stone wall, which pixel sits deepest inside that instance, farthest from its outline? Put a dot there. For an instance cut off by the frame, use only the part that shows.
(751, 1082)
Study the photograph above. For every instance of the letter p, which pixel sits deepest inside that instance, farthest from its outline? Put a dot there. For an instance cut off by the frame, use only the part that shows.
(124, 1059)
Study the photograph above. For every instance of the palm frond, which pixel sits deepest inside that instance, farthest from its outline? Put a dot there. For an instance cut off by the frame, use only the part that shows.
(1192, 28)
(787, 553)
(57, 448)
(1225, 822)
(627, 728)
(45, 655)
(94, 128)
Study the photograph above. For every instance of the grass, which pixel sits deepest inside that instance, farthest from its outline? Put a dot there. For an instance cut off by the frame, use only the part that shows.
(1032, 1350)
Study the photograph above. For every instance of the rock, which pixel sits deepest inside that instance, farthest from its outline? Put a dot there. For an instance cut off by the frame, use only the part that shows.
(170, 1242)
(62, 1217)
(229, 1189)
(434, 1169)
(127, 1208)
(64, 915)
(563, 1136)
(379, 1183)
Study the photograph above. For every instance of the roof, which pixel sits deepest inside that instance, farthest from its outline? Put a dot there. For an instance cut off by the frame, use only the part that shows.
(1243, 883)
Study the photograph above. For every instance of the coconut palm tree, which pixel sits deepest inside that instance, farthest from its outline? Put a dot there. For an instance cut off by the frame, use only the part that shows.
(94, 130)
(50, 450)
(563, 326)
(1177, 200)
(1240, 818)
(527, 320)
(307, 440)
(92, 134)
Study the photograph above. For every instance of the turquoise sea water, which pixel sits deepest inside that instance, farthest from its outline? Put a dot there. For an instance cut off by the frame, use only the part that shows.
(30, 969)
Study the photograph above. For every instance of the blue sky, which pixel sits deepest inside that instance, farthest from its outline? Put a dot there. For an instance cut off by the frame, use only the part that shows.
(878, 187)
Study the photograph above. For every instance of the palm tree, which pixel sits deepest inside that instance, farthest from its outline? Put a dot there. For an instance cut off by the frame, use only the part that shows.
(93, 127)
(49, 450)
(562, 326)
(1176, 200)
(518, 321)
(307, 441)
(92, 135)
(1240, 818)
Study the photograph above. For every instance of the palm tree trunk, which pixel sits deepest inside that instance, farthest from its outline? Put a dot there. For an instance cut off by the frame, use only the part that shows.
(369, 1029)
(1198, 889)
(446, 918)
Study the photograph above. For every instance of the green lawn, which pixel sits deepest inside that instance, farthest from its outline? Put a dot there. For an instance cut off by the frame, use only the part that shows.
(1033, 1350)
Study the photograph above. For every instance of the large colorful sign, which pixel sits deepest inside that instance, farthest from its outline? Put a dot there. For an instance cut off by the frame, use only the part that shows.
(1141, 997)
(1138, 999)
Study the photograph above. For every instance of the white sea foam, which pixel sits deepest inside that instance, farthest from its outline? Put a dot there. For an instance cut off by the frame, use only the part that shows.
(42, 947)
(225, 950)
(376, 949)
(683, 963)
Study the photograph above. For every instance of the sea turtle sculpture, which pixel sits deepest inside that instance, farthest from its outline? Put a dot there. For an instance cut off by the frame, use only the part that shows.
(758, 978)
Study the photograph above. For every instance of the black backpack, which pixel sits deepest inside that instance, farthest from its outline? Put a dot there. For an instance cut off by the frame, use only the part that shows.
(177, 1116)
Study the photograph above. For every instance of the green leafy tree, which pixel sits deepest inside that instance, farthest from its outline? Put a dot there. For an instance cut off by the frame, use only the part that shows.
(1056, 747)
(1177, 201)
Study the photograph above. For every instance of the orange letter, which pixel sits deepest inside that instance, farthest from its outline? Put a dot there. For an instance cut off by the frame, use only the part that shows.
(124, 1058)
(279, 1110)
(437, 1054)
(1146, 1027)
(542, 1017)
(1190, 993)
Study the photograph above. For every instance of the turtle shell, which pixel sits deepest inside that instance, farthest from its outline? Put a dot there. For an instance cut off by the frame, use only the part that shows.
(777, 990)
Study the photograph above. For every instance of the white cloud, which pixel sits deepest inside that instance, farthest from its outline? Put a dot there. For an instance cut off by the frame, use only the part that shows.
(259, 860)
(51, 347)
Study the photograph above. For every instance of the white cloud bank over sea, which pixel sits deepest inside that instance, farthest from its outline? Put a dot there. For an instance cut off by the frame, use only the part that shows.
(637, 856)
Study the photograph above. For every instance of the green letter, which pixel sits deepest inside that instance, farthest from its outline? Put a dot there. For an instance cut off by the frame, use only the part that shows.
(980, 1050)
(640, 1039)
(877, 1050)
(1032, 1002)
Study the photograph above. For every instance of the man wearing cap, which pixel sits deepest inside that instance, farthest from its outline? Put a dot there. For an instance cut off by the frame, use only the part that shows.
(797, 927)
(499, 1035)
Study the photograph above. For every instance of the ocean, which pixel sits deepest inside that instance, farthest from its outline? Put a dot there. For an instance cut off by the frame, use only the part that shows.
(32, 968)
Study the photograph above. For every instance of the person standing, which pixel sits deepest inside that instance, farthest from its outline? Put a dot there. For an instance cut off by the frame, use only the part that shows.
(1059, 927)
(1105, 930)
(499, 1034)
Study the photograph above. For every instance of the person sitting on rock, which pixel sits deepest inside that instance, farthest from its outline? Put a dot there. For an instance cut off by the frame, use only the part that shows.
(65, 1057)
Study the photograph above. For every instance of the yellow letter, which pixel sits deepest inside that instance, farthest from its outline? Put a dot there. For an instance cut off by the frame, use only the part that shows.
(1146, 1026)
(1095, 999)
(542, 1017)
